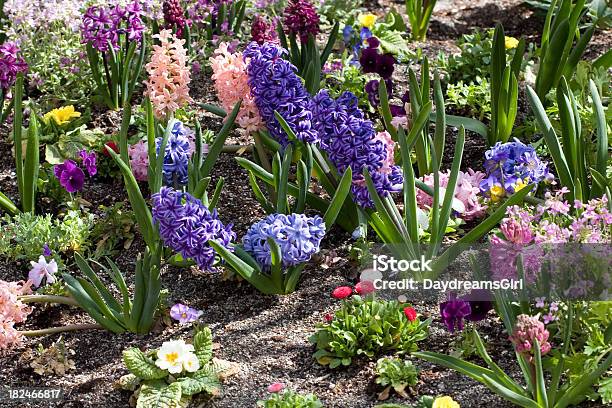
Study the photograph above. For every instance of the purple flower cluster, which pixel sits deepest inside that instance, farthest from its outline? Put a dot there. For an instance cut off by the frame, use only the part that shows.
(511, 166)
(71, 176)
(275, 86)
(351, 140)
(262, 31)
(473, 307)
(11, 63)
(186, 226)
(354, 40)
(174, 16)
(301, 19)
(102, 26)
(297, 236)
(372, 61)
(176, 155)
(372, 87)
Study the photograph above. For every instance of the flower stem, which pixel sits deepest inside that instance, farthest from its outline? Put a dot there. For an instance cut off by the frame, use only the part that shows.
(64, 300)
(60, 329)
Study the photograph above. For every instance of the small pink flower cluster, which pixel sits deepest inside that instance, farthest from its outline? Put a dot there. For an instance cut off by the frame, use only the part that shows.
(527, 330)
(467, 192)
(231, 81)
(169, 76)
(139, 160)
(12, 311)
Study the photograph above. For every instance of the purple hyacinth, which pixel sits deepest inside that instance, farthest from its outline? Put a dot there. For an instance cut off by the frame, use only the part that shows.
(11, 63)
(276, 87)
(351, 140)
(176, 157)
(453, 311)
(262, 31)
(89, 162)
(186, 226)
(70, 176)
(103, 25)
(174, 16)
(297, 236)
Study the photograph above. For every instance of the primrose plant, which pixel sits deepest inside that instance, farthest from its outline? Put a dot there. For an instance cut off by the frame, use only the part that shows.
(175, 372)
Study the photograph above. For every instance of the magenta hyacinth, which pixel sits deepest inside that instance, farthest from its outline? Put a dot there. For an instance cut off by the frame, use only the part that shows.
(527, 330)
(174, 16)
(301, 19)
(262, 31)
(102, 26)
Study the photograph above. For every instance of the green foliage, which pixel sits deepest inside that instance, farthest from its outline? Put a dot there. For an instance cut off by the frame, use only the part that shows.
(114, 228)
(306, 56)
(290, 399)
(473, 99)
(160, 389)
(348, 78)
(67, 145)
(562, 44)
(419, 14)
(134, 314)
(24, 235)
(583, 173)
(56, 63)
(423, 402)
(472, 62)
(367, 327)
(396, 373)
(338, 10)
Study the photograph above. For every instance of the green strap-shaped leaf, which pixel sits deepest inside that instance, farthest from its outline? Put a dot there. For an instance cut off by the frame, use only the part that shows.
(338, 199)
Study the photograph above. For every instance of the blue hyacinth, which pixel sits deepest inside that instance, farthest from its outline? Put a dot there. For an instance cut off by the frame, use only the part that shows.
(176, 158)
(511, 166)
(350, 140)
(276, 87)
(186, 225)
(297, 236)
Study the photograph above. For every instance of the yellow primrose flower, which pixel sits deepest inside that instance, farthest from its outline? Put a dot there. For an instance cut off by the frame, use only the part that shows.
(62, 115)
(445, 402)
(497, 192)
(367, 20)
(511, 42)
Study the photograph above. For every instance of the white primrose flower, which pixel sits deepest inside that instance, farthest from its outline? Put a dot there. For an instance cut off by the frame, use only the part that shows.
(191, 363)
(172, 354)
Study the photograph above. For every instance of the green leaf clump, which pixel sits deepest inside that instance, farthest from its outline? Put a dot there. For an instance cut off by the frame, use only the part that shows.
(367, 327)
(290, 399)
(396, 373)
(157, 388)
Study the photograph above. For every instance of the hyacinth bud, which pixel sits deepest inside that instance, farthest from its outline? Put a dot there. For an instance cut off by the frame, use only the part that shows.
(527, 330)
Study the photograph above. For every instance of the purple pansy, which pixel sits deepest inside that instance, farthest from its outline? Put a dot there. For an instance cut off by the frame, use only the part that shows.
(70, 176)
(89, 162)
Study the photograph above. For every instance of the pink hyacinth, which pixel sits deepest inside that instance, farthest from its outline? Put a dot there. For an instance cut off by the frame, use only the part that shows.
(169, 75)
(12, 310)
(389, 144)
(516, 231)
(231, 82)
(467, 191)
(527, 330)
(139, 160)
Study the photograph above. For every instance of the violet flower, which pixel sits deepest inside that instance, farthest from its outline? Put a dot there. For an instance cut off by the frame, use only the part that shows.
(89, 162)
(102, 26)
(186, 225)
(297, 236)
(176, 155)
(184, 314)
(11, 63)
(42, 269)
(453, 311)
(70, 176)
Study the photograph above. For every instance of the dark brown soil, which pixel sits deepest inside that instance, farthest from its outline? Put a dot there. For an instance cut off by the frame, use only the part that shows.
(266, 335)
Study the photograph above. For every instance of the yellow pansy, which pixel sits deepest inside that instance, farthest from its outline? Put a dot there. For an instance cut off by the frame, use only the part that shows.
(367, 20)
(511, 42)
(497, 192)
(521, 184)
(445, 402)
(62, 115)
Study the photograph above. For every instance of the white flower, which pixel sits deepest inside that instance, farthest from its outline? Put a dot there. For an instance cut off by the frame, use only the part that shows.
(191, 363)
(42, 269)
(172, 354)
